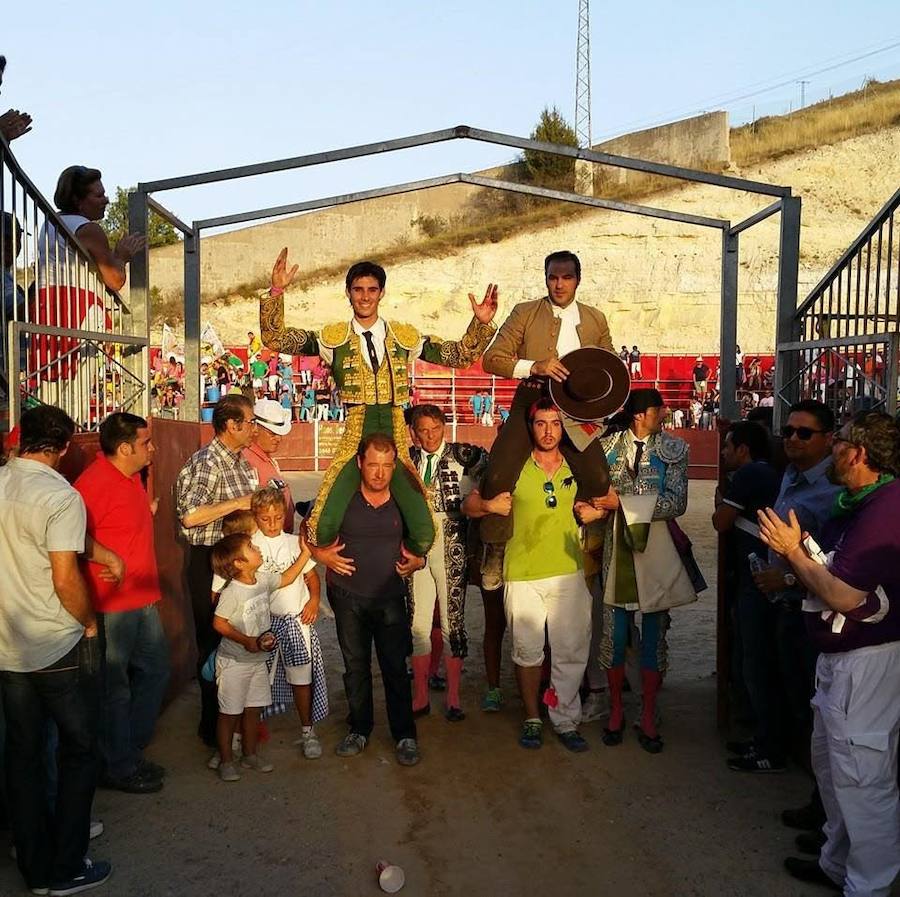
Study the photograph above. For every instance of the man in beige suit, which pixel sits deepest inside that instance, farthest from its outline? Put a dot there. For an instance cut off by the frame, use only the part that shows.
(528, 347)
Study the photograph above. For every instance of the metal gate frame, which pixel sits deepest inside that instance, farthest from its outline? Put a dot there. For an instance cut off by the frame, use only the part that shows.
(141, 202)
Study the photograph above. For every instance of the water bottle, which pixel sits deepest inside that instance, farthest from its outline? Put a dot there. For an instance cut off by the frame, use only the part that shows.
(757, 565)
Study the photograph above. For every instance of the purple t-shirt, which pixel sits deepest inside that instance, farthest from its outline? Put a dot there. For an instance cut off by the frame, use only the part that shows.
(864, 548)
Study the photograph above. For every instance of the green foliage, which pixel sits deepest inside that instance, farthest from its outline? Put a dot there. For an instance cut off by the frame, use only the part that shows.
(430, 225)
(159, 233)
(542, 168)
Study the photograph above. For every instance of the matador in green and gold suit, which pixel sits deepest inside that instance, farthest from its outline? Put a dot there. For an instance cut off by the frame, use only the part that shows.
(374, 394)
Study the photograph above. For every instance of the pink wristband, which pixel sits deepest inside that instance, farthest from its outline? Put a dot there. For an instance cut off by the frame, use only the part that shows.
(276, 291)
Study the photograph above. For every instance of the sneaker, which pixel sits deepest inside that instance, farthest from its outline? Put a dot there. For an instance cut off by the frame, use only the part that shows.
(214, 761)
(228, 772)
(741, 748)
(310, 745)
(437, 683)
(756, 763)
(492, 700)
(595, 706)
(454, 715)
(255, 761)
(531, 736)
(573, 742)
(91, 875)
(807, 870)
(407, 752)
(353, 744)
(39, 890)
(97, 828)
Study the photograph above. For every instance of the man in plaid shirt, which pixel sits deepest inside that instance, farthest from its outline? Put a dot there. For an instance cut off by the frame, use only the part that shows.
(215, 481)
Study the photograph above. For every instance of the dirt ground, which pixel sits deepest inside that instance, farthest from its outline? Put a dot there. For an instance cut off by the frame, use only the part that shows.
(478, 815)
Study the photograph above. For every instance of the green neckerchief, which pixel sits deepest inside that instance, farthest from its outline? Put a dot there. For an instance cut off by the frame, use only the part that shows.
(846, 502)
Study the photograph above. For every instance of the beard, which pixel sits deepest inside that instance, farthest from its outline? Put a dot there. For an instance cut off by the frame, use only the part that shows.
(833, 475)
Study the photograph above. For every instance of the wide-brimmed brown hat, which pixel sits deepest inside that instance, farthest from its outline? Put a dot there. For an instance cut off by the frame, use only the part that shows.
(597, 384)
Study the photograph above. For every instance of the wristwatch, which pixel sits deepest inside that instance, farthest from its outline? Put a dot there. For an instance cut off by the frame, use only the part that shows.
(790, 580)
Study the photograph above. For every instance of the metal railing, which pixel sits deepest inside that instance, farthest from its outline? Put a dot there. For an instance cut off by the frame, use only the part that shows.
(67, 339)
(843, 349)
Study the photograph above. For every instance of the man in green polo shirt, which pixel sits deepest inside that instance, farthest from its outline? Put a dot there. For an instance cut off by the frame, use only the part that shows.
(545, 583)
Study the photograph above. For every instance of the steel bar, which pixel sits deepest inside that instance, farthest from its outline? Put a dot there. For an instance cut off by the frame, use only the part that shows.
(169, 216)
(836, 342)
(787, 325)
(596, 202)
(754, 219)
(326, 202)
(728, 404)
(192, 398)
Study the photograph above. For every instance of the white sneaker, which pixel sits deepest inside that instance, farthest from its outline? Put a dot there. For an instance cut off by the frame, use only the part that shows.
(96, 828)
(310, 745)
(215, 761)
(255, 761)
(595, 706)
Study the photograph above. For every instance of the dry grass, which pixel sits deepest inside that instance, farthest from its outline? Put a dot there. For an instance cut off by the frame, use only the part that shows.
(864, 111)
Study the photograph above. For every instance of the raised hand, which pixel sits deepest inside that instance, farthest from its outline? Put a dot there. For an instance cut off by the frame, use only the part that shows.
(282, 276)
(485, 310)
(129, 246)
(14, 124)
(781, 536)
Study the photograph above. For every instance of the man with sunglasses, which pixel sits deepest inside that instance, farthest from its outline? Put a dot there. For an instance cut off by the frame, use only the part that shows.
(807, 490)
(215, 481)
(852, 615)
(545, 586)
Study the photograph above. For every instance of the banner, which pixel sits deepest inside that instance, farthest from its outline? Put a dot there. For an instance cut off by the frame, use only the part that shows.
(210, 344)
(170, 344)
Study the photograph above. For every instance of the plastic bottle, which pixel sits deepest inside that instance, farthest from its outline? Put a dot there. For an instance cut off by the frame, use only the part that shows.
(757, 565)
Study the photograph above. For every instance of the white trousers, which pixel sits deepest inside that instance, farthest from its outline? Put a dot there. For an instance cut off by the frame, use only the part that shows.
(562, 604)
(430, 585)
(856, 721)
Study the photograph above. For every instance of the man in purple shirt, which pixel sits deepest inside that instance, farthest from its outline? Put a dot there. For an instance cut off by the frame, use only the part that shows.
(853, 618)
(366, 566)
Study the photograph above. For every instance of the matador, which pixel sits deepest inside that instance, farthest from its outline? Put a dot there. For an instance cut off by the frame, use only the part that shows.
(371, 361)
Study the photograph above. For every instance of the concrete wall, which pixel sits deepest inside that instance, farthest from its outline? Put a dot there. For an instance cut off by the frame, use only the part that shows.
(701, 142)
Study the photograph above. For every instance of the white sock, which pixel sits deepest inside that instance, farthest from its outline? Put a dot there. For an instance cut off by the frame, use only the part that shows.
(306, 730)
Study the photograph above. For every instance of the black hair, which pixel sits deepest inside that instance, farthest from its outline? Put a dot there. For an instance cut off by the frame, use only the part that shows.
(73, 185)
(563, 256)
(746, 432)
(45, 429)
(544, 404)
(366, 269)
(118, 428)
(230, 407)
(420, 411)
(819, 410)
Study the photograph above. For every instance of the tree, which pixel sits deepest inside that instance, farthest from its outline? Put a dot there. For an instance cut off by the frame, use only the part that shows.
(543, 168)
(159, 232)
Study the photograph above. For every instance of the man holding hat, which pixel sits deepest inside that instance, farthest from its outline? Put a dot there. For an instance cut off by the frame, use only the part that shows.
(272, 422)
(533, 346)
(642, 569)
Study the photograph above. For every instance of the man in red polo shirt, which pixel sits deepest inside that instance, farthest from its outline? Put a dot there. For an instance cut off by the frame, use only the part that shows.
(120, 516)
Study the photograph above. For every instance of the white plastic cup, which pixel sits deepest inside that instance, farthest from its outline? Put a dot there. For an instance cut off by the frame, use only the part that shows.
(390, 877)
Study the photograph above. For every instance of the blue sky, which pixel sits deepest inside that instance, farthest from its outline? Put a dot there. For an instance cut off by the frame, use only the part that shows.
(144, 91)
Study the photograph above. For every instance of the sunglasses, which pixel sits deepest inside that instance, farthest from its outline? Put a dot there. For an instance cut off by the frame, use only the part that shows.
(550, 500)
(804, 433)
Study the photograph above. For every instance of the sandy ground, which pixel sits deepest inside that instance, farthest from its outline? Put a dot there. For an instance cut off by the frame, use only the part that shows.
(478, 815)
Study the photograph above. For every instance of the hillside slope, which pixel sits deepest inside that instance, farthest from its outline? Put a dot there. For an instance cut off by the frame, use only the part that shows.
(657, 281)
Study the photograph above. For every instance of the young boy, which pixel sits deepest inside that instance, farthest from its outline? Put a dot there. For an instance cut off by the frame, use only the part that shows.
(294, 610)
(242, 619)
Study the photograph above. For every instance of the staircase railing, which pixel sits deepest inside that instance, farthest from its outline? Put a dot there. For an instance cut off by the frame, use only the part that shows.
(846, 331)
(67, 339)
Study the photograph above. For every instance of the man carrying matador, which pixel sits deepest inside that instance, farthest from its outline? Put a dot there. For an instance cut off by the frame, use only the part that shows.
(371, 361)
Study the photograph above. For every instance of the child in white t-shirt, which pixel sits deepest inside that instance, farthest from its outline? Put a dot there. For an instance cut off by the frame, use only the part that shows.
(295, 606)
(243, 620)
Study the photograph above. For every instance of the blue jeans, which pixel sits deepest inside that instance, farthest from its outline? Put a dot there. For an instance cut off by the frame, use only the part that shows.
(135, 675)
(51, 844)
